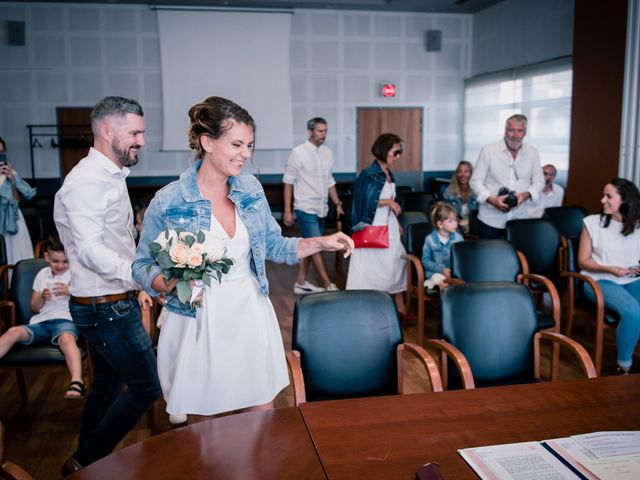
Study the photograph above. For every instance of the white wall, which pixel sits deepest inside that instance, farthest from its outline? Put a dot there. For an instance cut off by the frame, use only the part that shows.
(520, 32)
(77, 53)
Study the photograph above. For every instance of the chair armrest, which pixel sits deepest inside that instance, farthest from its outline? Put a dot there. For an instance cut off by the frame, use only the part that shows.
(427, 361)
(7, 305)
(597, 291)
(553, 293)
(448, 350)
(524, 265)
(417, 263)
(453, 281)
(293, 362)
(583, 357)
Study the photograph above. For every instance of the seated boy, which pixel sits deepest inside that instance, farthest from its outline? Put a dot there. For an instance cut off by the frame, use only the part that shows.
(52, 324)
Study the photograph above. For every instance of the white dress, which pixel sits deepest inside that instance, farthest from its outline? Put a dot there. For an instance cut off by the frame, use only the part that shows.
(19, 246)
(380, 268)
(237, 359)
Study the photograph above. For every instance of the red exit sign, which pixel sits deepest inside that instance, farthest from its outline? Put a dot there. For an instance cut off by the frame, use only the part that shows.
(388, 90)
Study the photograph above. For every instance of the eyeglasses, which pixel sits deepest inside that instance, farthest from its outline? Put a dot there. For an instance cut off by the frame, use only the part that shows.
(396, 153)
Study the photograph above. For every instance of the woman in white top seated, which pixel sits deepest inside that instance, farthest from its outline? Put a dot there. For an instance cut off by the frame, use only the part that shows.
(610, 254)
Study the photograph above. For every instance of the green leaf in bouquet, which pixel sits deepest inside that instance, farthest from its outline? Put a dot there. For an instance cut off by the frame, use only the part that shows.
(200, 236)
(206, 279)
(189, 240)
(164, 260)
(224, 268)
(155, 247)
(228, 261)
(219, 275)
(184, 290)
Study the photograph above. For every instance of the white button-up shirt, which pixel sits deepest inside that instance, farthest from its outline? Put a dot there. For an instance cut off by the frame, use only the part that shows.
(94, 218)
(546, 200)
(309, 171)
(496, 168)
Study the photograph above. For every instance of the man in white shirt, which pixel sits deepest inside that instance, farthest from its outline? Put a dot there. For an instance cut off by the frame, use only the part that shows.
(309, 181)
(506, 176)
(94, 218)
(552, 194)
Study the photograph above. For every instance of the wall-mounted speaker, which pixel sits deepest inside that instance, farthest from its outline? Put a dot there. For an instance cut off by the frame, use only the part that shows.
(434, 40)
(16, 33)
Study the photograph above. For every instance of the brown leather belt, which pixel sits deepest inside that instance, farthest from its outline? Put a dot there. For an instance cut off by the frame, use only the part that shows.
(116, 297)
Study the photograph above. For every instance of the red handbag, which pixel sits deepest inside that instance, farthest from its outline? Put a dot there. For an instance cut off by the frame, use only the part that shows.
(371, 237)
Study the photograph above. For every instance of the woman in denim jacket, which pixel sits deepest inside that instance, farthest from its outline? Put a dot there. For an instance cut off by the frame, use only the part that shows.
(374, 204)
(12, 224)
(227, 354)
(460, 195)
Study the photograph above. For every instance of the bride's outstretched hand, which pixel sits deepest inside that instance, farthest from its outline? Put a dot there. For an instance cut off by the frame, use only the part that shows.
(338, 241)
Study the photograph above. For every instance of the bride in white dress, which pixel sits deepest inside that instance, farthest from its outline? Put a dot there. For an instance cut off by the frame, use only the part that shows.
(228, 355)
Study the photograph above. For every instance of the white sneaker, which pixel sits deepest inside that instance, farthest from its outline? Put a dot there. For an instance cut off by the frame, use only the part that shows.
(305, 288)
(332, 288)
(178, 418)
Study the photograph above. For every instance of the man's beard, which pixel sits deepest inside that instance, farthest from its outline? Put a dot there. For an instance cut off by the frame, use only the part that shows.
(123, 155)
(513, 144)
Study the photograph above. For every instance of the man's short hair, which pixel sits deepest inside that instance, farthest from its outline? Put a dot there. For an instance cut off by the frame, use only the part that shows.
(118, 106)
(518, 117)
(555, 170)
(311, 124)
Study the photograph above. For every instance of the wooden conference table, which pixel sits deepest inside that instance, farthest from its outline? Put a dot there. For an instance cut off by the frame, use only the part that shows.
(383, 437)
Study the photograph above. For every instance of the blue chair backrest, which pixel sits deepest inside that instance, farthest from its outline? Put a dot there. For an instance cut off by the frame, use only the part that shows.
(416, 234)
(484, 261)
(540, 243)
(24, 273)
(347, 340)
(493, 324)
(567, 219)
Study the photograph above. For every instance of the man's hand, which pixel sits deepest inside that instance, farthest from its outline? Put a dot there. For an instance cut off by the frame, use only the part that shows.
(523, 197)
(339, 211)
(288, 218)
(498, 202)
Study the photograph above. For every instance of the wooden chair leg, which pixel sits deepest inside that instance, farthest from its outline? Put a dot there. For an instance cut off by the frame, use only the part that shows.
(22, 386)
(598, 347)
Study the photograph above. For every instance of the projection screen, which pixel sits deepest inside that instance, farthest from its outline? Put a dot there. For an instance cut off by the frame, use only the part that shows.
(241, 56)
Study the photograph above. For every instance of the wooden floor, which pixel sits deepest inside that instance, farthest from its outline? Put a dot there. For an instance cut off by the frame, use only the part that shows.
(43, 433)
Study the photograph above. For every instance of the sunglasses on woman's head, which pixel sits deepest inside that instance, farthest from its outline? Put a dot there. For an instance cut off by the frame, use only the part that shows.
(396, 153)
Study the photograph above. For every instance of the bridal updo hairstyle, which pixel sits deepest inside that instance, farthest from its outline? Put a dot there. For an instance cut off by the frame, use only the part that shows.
(211, 116)
(383, 144)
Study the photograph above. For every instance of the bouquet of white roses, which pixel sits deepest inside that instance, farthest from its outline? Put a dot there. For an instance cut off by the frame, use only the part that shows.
(190, 256)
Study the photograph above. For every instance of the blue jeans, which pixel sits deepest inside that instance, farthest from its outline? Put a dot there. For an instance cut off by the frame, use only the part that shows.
(487, 231)
(310, 224)
(49, 331)
(121, 354)
(624, 300)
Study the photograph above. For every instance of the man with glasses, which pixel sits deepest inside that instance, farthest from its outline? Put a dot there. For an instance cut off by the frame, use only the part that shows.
(308, 180)
(552, 194)
(507, 175)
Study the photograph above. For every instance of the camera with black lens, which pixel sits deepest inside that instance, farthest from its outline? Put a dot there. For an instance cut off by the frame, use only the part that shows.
(511, 199)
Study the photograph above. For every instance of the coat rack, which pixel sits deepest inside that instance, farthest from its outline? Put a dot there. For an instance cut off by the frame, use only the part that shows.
(58, 136)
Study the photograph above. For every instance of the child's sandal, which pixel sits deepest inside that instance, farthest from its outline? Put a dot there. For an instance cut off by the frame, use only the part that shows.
(77, 387)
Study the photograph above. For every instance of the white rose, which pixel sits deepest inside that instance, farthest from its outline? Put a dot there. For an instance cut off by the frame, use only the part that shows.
(163, 240)
(179, 252)
(213, 248)
(194, 259)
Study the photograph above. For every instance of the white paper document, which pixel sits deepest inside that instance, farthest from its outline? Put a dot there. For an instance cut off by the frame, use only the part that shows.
(593, 456)
(517, 461)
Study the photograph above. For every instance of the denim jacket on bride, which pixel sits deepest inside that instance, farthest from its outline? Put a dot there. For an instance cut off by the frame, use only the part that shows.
(180, 205)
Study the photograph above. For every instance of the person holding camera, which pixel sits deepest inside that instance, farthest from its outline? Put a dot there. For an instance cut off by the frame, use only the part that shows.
(13, 189)
(506, 176)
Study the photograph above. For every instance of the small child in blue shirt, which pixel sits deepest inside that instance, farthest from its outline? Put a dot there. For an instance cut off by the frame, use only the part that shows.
(52, 321)
(436, 253)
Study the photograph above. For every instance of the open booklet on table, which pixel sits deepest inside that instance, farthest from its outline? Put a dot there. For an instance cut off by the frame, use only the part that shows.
(592, 456)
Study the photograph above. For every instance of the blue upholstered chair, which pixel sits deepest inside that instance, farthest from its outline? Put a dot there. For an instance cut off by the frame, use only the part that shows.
(348, 344)
(16, 310)
(494, 326)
